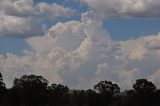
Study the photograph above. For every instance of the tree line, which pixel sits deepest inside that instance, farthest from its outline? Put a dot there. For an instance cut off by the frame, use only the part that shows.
(32, 90)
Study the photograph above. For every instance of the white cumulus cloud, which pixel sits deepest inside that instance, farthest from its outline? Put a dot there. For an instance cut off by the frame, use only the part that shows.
(81, 53)
(24, 18)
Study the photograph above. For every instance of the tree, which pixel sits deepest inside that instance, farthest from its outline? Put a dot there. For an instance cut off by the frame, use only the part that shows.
(58, 94)
(107, 87)
(144, 92)
(32, 89)
(91, 96)
(78, 98)
(2, 84)
(157, 98)
(144, 87)
(2, 89)
(30, 81)
(107, 91)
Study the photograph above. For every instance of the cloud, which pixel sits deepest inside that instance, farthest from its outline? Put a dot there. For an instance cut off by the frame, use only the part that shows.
(139, 55)
(72, 48)
(27, 8)
(53, 10)
(21, 8)
(125, 8)
(101, 68)
(24, 18)
(19, 27)
(155, 78)
(81, 53)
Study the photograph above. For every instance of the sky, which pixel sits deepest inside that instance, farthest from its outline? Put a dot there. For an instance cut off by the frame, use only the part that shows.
(80, 42)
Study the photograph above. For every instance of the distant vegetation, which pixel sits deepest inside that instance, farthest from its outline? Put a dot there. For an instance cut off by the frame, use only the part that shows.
(32, 90)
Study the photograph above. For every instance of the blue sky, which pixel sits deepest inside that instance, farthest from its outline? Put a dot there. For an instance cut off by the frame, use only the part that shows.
(16, 45)
(120, 29)
(80, 42)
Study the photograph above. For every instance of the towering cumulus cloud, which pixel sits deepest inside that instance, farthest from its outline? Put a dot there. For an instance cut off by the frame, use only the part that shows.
(79, 53)
(70, 50)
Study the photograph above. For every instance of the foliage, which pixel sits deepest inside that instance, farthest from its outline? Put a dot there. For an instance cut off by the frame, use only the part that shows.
(32, 90)
(107, 87)
(2, 84)
(144, 87)
(2, 89)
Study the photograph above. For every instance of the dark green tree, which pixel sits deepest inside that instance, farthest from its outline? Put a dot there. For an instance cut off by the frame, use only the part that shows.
(144, 92)
(107, 91)
(78, 98)
(144, 87)
(58, 94)
(2, 89)
(107, 87)
(157, 98)
(31, 89)
(2, 84)
(91, 96)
